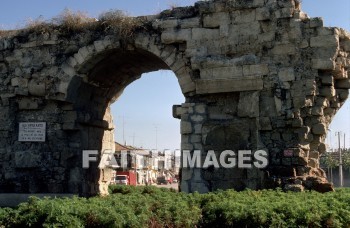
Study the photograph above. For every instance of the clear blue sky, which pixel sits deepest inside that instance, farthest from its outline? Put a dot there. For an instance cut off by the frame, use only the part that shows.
(147, 102)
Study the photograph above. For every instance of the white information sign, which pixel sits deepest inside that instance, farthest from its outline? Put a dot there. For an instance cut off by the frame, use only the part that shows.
(32, 132)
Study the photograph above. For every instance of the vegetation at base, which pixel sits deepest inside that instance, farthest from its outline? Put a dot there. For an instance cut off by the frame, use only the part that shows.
(158, 207)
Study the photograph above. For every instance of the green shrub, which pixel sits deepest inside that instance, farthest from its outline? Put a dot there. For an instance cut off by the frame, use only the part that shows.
(149, 206)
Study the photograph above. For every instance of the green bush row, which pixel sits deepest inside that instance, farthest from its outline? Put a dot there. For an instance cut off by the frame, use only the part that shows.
(153, 207)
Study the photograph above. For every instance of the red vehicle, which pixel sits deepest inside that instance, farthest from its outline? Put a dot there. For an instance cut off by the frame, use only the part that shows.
(125, 178)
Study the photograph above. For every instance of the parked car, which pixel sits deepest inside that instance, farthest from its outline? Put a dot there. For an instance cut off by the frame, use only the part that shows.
(121, 179)
(162, 180)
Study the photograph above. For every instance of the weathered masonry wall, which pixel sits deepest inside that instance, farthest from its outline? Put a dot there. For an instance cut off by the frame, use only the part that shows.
(256, 75)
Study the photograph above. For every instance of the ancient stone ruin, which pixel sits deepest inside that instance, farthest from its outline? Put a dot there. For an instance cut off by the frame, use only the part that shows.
(256, 74)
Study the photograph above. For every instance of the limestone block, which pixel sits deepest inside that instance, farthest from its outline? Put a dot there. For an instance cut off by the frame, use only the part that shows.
(176, 36)
(284, 49)
(69, 70)
(313, 163)
(197, 118)
(324, 41)
(27, 104)
(28, 159)
(317, 111)
(319, 129)
(346, 45)
(214, 20)
(20, 82)
(265, 124)
(286, 74)
(263, 14)
(37, 88)
(70, 116)
(327, 80)
(323, 64)
(267, 37)
(322, 148)
(198, 128)
(244, 16)
(222, 73)
(294, 187)
(255, 70)
(178, 111)
(186, 127)
(248, 105)
(316, 22)
(314, 154)
(190, 23)
(278, 105)
(186, 174)
(343, 94)
(165, 24)
(327, 91)
(224, 86)
(298, 122)
(284, 13)
(200, 108)
(3, 68)
(205, 34)
(245, 29)
(342, 84)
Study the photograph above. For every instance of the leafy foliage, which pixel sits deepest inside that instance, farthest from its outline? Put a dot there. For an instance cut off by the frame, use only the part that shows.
(153, 207)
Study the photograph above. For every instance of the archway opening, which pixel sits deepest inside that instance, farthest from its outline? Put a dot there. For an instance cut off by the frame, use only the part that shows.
(146, 129)
(102, 81)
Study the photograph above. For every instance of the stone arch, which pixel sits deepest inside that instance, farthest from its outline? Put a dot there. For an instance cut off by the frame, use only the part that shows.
(96, 76)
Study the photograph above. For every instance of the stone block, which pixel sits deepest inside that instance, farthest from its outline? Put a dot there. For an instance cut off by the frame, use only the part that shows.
(255, 70)
(227, 85)
(327, 80)
(314, 154)
(222, 73)
(319, 129)
(286, 74)
(313, 163)
(28, 159)
(27, 104)
(214, 20)
(327, 91)
(317, 111)
(324, 41)
(342, 84)
(197, 118)
(205, 34)
(265, 124)
(244, 16)
(316, 22)
(176, 36)
(37, 88)
(284, 49)
(263, 14)
(248, 105)
(186, 127)
(190, 23)
(294, 187)
(284, 13)
(20, 82)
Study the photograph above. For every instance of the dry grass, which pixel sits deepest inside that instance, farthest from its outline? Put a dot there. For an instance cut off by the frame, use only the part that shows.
(70, 22)
(73, 21)
(38, 25)
(120, 22)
